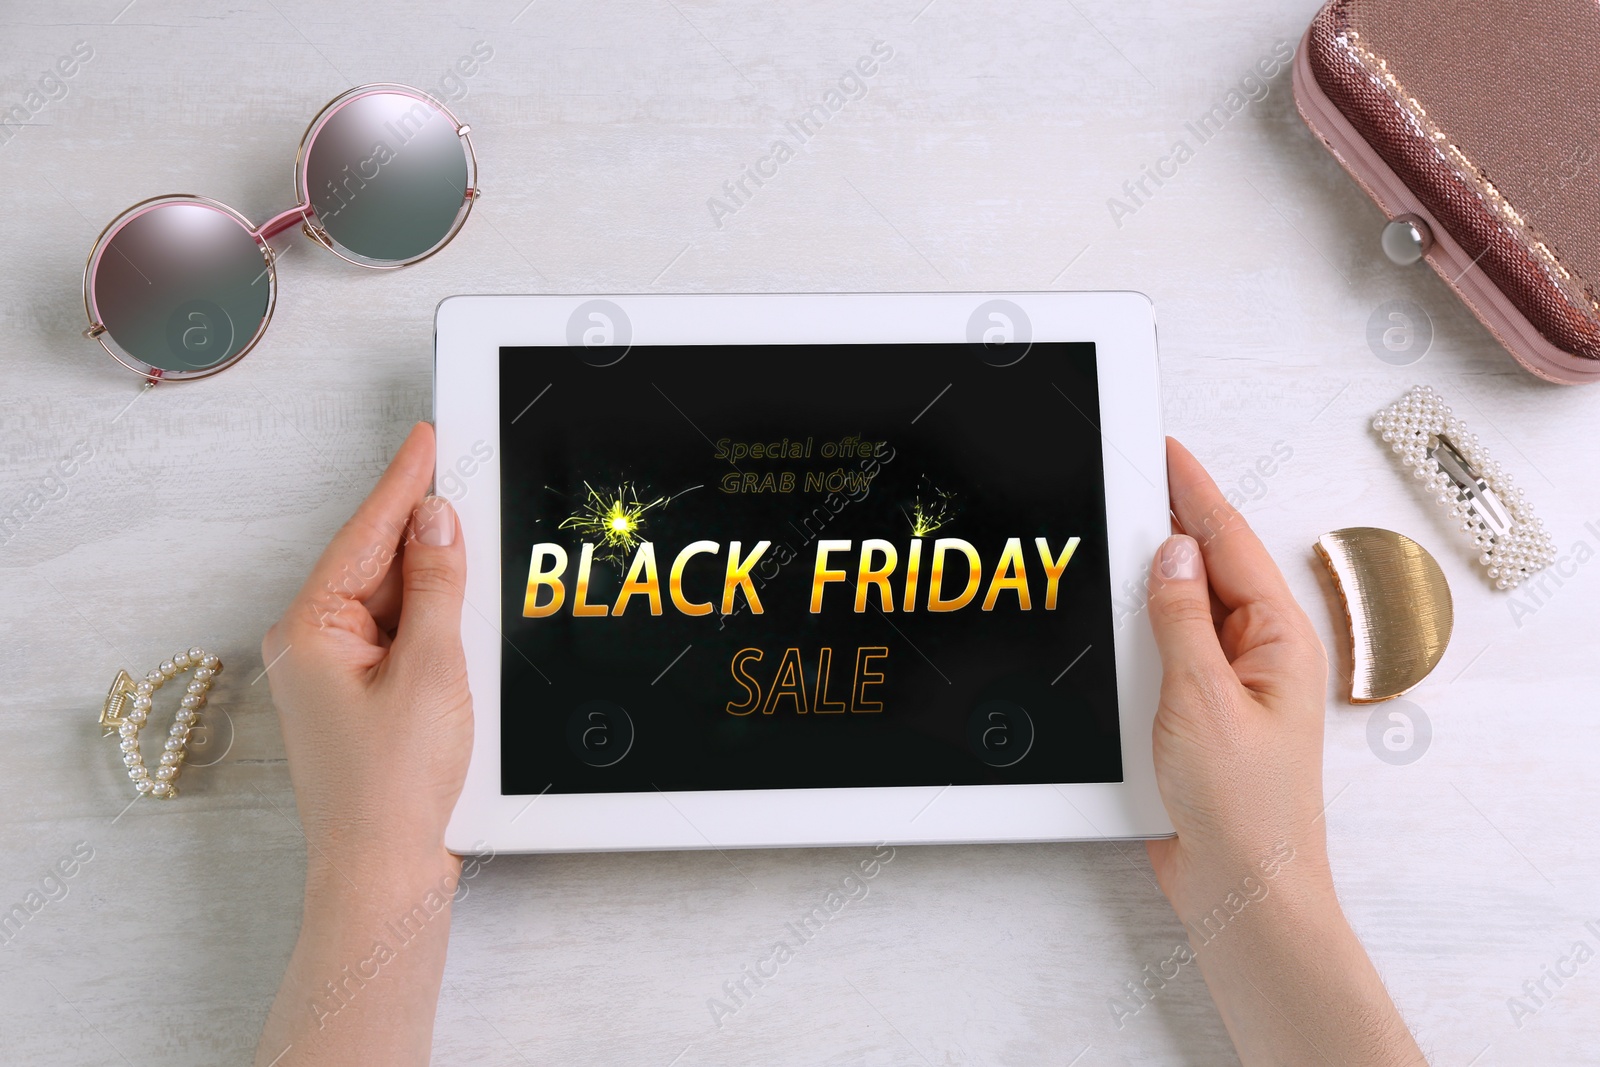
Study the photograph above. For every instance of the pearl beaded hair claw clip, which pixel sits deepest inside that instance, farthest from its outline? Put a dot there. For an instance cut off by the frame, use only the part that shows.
(1463, 478)
(127, 707)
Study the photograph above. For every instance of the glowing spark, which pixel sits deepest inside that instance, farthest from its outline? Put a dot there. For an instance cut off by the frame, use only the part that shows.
(614, 518)
(927, 517)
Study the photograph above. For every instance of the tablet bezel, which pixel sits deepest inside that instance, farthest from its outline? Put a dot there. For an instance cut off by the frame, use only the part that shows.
(469, 334)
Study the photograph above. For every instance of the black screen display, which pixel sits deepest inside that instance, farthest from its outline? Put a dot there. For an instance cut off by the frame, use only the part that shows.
(754, 567)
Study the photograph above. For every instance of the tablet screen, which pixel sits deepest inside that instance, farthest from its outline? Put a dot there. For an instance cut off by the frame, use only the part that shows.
(803, 566)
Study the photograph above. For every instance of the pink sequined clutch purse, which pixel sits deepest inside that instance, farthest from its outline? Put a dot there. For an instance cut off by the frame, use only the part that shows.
(1473, 125)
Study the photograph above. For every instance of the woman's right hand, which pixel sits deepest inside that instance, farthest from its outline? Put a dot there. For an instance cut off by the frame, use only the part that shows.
(1238, 732)
(1238, 758)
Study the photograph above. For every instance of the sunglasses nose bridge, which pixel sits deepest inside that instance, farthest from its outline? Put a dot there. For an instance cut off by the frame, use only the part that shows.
(282, 221)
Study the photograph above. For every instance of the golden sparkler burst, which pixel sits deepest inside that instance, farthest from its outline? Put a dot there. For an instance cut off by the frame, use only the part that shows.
(613, 518)
(927, 515)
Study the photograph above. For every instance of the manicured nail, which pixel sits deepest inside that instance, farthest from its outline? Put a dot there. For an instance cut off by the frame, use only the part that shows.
(1180, 558)
(435, 522)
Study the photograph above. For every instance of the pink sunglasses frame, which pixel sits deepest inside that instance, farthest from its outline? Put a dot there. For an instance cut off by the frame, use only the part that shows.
(302, 213)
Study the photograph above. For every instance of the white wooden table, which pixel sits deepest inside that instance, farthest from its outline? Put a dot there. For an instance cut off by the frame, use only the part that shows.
(981, 156)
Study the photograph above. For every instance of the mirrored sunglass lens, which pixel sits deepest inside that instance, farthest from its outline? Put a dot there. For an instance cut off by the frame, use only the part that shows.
(182, 286)
(387, 175)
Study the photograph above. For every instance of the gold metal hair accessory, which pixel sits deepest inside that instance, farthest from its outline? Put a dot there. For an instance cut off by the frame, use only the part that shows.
(1463, 478)
(1397, 604)
(127, 707)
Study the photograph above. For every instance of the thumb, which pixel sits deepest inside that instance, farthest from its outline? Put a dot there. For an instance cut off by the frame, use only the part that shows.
(433, 583)
(1180, 609)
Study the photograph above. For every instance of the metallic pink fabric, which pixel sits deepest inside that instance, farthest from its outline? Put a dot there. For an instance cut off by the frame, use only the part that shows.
(1513, 87)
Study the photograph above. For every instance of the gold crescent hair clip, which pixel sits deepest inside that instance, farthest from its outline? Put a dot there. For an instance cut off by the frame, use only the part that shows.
(1398, 607)
(127, 707)
(1464, 479)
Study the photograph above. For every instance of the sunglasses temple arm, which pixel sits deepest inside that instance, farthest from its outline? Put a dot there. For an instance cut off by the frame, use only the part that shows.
(284, 221)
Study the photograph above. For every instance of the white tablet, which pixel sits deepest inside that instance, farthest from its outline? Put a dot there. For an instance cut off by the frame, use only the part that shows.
(792, 570)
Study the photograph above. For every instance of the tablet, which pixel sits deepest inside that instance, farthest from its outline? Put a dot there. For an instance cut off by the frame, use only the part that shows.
(804, 570)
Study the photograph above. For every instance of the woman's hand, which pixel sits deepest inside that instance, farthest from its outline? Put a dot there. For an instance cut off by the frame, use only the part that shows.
(1238, 733)
(368, 674)
(370, 683)
(1238, 757)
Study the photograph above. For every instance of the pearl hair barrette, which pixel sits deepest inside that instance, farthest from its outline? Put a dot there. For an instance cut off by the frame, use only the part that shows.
(127, 707)
(1464, 479)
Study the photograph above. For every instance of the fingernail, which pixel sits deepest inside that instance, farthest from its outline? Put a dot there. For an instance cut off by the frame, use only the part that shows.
(1180, 558)
(434, 522)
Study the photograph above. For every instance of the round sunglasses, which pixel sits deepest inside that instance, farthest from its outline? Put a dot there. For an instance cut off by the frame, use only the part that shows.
(181, 287)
